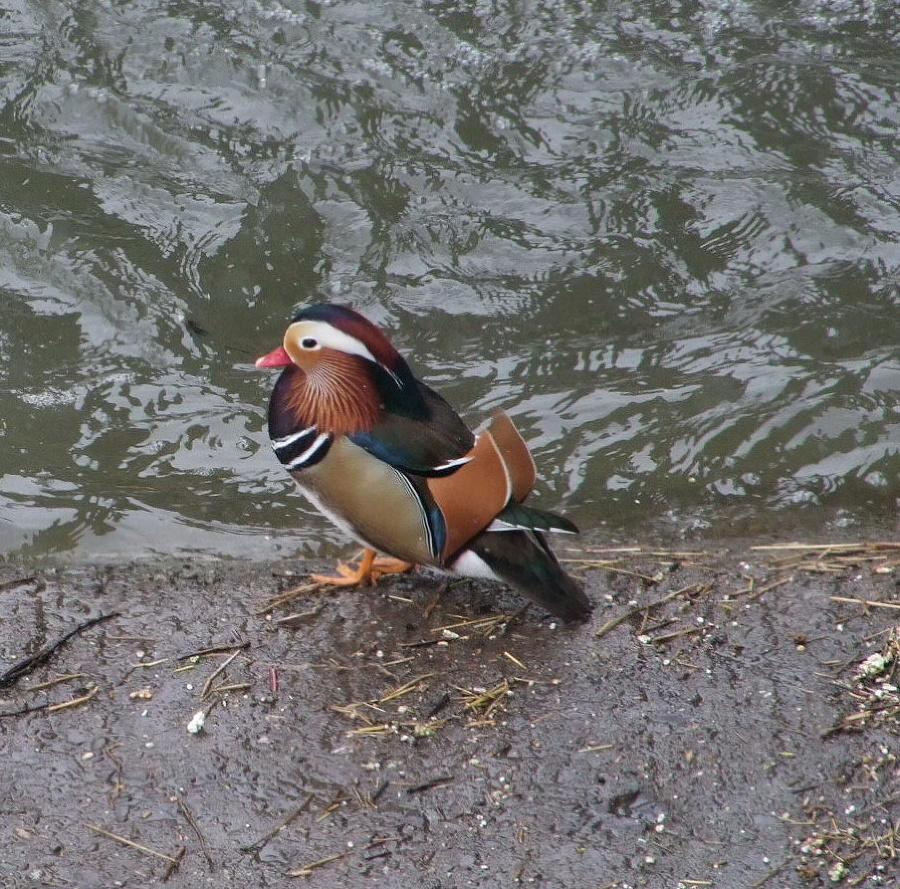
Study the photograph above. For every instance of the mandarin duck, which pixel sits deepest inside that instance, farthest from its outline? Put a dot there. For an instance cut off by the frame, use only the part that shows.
(390, 462)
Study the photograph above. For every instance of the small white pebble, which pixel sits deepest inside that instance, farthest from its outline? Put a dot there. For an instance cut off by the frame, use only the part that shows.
(197, 723)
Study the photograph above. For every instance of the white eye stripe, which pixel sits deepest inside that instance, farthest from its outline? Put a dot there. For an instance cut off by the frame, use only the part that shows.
(330, 337)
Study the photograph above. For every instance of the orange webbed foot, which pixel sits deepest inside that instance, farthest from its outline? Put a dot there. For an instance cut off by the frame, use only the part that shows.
(388, 565)
(365, 573)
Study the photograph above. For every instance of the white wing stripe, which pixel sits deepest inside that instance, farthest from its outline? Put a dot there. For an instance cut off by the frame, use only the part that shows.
(451, 464)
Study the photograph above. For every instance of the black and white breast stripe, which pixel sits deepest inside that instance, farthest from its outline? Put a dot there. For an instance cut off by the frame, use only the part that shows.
(302, 449)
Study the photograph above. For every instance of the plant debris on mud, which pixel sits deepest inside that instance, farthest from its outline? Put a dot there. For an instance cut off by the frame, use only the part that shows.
(728, 718)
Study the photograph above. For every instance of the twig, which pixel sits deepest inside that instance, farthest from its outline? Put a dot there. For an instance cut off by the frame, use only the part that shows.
(337, 801)
(486, 701)
(627, 550)
(753, 593)
(430, 784)
(612, 623)
(404, 689)
(870, 602)
(259, 844)
(422, 643)
(307, 869)
(126, 842)
(380, 789)
(604, 565)
(31, 663)
(214, 649)
(826, 547)
(485, 623)
(75, 701)
(19, 581)
(173, 866)
(288, 596)
(515, 660)
(23, 711)
(668, 637)
(192, 821)
(59, 679)
(234, 686)
(300, 615)
(217, 672)
(765, 879)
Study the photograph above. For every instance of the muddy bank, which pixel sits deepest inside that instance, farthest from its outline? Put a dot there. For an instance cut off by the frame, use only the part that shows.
(719, 732)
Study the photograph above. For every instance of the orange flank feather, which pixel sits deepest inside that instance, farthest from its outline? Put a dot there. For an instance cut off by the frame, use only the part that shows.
(499, 469)
(515, 455)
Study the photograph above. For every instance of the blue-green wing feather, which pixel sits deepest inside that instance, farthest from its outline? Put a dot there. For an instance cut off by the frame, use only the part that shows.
(418, 434)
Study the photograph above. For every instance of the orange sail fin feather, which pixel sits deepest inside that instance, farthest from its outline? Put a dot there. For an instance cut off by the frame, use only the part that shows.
(390, 462)
(500, 469)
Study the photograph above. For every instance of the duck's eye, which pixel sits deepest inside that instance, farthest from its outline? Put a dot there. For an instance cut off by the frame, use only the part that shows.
(309, 343)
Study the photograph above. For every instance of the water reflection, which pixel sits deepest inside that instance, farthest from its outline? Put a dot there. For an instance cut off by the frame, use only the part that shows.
(663, 237)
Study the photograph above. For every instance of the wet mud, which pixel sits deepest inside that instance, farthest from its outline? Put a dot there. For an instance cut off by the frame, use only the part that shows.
(728, 718)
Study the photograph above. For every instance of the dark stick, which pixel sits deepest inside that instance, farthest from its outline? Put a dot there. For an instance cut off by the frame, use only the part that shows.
(30, 664)
(256, 847)
(189, 817)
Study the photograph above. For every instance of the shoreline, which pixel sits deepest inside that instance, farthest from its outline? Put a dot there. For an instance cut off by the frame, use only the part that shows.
(718, 730)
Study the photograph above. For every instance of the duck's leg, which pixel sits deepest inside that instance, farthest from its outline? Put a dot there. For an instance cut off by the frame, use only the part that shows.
(369, 568)
(389, 565)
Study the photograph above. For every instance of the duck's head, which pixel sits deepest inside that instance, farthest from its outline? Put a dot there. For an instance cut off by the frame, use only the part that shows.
(340, 373)
(318, 335)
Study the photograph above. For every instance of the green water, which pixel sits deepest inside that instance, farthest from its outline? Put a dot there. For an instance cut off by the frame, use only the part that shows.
(662, 235)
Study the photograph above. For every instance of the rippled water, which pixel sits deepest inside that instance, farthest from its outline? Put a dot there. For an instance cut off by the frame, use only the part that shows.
(663, 235)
